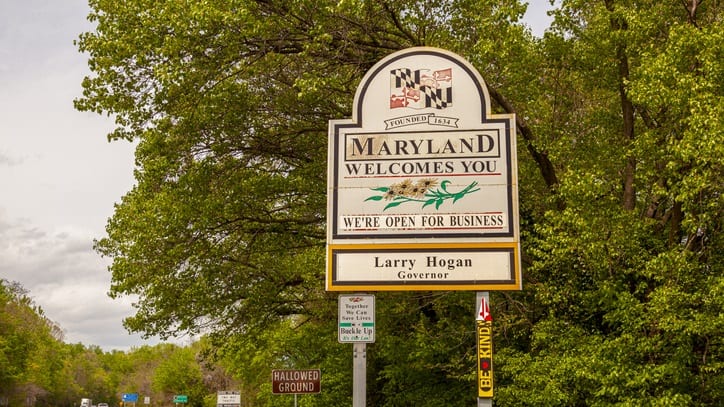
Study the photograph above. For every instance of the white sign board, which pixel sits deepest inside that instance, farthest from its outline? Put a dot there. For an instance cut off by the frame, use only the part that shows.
(356, 318)
(422, 182)
(228, 398)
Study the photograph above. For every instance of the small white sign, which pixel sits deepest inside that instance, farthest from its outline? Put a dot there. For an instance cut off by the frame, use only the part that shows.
(228, 398)
(356, 318)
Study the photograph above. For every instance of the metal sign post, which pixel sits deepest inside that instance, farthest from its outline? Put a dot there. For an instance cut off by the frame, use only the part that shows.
(359, 375)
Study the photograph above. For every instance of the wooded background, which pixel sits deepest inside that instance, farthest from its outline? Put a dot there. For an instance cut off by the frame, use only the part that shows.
(621, 154)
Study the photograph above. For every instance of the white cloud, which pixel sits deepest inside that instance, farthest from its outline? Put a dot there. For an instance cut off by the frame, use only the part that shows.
(67, 279)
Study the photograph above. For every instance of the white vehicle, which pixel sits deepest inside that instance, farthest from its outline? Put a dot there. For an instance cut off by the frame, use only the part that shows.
(102, 405)
(86, 402)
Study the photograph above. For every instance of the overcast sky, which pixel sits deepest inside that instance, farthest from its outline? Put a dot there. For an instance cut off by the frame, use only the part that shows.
(60, 177)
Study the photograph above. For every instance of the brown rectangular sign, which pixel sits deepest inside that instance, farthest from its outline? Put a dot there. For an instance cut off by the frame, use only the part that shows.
(296, 381)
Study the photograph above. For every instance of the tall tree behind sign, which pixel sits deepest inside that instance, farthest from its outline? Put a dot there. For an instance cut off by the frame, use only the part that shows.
(620, 170)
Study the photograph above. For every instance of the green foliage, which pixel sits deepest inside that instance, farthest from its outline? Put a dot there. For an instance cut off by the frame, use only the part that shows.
(30, 355)
(38, 368)
(423, 345)
(179, 374)
(16, 343)
(621, 291)
(619, 111)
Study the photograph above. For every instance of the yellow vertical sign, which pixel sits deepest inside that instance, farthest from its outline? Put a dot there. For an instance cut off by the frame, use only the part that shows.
(485, 358)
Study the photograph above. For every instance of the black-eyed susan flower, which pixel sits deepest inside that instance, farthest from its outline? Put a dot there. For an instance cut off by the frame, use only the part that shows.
(421, 191)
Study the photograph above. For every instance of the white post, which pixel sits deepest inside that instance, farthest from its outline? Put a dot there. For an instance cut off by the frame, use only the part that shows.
(359, 375)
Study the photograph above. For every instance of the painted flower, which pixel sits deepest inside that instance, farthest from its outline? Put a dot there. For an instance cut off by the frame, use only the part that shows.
(421, 192)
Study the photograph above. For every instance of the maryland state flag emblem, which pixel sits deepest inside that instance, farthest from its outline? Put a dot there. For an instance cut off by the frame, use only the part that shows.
(421, 88)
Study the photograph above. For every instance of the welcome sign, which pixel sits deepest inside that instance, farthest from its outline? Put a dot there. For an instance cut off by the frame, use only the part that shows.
(422, 182)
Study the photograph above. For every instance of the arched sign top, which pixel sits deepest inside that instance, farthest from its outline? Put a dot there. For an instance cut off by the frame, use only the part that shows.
(421, 88)
(422, 183)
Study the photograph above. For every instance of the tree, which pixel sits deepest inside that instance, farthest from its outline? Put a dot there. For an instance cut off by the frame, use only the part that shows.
(15, 342)
(179, 373)
(625, 275)
(31, 354)
(618, 115)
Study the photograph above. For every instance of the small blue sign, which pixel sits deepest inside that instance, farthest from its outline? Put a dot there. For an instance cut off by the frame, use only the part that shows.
(130, 397)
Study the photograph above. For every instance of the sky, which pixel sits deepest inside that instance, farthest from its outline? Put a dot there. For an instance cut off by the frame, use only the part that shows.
(59, 175)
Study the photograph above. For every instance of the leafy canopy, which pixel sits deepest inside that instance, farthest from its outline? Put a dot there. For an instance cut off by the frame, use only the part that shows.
(618, 113)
